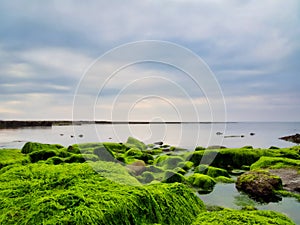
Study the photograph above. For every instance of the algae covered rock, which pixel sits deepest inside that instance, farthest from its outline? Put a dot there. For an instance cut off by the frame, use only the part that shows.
(204, 182)
(231, 217)
(75, 194)
(133, 142)
(34, 146)
(260, 185)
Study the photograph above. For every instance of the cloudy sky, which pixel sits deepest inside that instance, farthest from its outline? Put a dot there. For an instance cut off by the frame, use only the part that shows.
(48, 48)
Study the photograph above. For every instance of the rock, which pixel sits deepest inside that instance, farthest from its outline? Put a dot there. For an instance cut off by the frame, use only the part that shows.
(133, 142)
(219, 133)
(252, 134)
(290, 178)
(80, 135)
(137, 167)
(293, 138)
(260, 185)
(202, 181)
(172, 177)
(158, 143)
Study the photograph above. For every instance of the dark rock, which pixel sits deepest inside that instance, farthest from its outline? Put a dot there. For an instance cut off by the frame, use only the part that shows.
(219, 133)
(80, 135)
(252, 134)
(158, 143)
(260, 185)
(293, 138)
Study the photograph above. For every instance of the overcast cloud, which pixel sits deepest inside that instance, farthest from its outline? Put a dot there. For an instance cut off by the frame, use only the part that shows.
(252, 47)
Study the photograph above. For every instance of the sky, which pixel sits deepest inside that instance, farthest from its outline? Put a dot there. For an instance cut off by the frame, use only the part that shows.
(52, 65)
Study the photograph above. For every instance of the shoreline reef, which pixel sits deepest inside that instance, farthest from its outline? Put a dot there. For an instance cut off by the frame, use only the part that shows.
(135, 183)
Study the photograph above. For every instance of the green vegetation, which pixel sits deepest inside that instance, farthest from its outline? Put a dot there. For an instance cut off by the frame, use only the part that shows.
(102, 183)
(12, 156)
(204, 182)
(232, 217)
(76, 194)
(275, 163)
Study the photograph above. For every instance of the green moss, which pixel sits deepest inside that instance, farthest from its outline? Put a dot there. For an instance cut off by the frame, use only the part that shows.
(34, 146)
(172, 177)
(55, 160)
(75, 194)
(75, 158)
(275, 163)
(177, 149)
(232, 217)
(134, 152)
(285, 193)
(211, 171)
(115, 147)
(104, 153)
(147, 177)
(202, 181)
(133, 142)
(36, 156)
(222, 179)
(168, 162)
(199, 148)
(12, 156)
(187, 165)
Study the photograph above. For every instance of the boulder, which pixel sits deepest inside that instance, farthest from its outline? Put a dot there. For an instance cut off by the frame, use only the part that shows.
(260, 185)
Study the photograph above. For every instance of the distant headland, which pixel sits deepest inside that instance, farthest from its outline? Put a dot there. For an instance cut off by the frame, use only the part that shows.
(4, 124)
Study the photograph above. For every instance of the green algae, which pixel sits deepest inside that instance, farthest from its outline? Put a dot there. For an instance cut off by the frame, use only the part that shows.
(34, 146)
(275, 163)
(133, 142)
(12, 156)
(202, 181)
(75, 194)
(232, 217)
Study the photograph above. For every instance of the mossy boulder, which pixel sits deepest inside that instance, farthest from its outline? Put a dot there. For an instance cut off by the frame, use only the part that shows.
(34, 146)
(45, 154)
(204, 182)
(172, 177)
(231, 217)
(104, 154)
(115, 147)
(187, 165)
(260, 185)
(147, 177)
(211, 171)
(133, 142)
(168, 162)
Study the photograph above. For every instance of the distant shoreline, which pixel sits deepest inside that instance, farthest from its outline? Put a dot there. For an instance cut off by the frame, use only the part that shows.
(4, 124)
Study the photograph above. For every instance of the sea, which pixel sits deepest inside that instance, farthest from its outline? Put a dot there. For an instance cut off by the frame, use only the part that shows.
(185, 135)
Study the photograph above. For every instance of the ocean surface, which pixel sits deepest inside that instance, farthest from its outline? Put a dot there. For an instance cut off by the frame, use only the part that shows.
(232, 135)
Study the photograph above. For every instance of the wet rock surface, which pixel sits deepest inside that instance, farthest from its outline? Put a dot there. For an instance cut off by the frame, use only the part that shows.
(292, 138)
(290, 179)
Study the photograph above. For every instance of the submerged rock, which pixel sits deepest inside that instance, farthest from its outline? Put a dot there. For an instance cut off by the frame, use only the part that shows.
(260, 185)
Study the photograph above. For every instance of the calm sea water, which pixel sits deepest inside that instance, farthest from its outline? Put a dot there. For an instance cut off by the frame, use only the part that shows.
(226, 195)
(183, 135)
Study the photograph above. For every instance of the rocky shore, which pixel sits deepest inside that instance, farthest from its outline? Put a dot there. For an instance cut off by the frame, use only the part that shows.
(135, 183)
